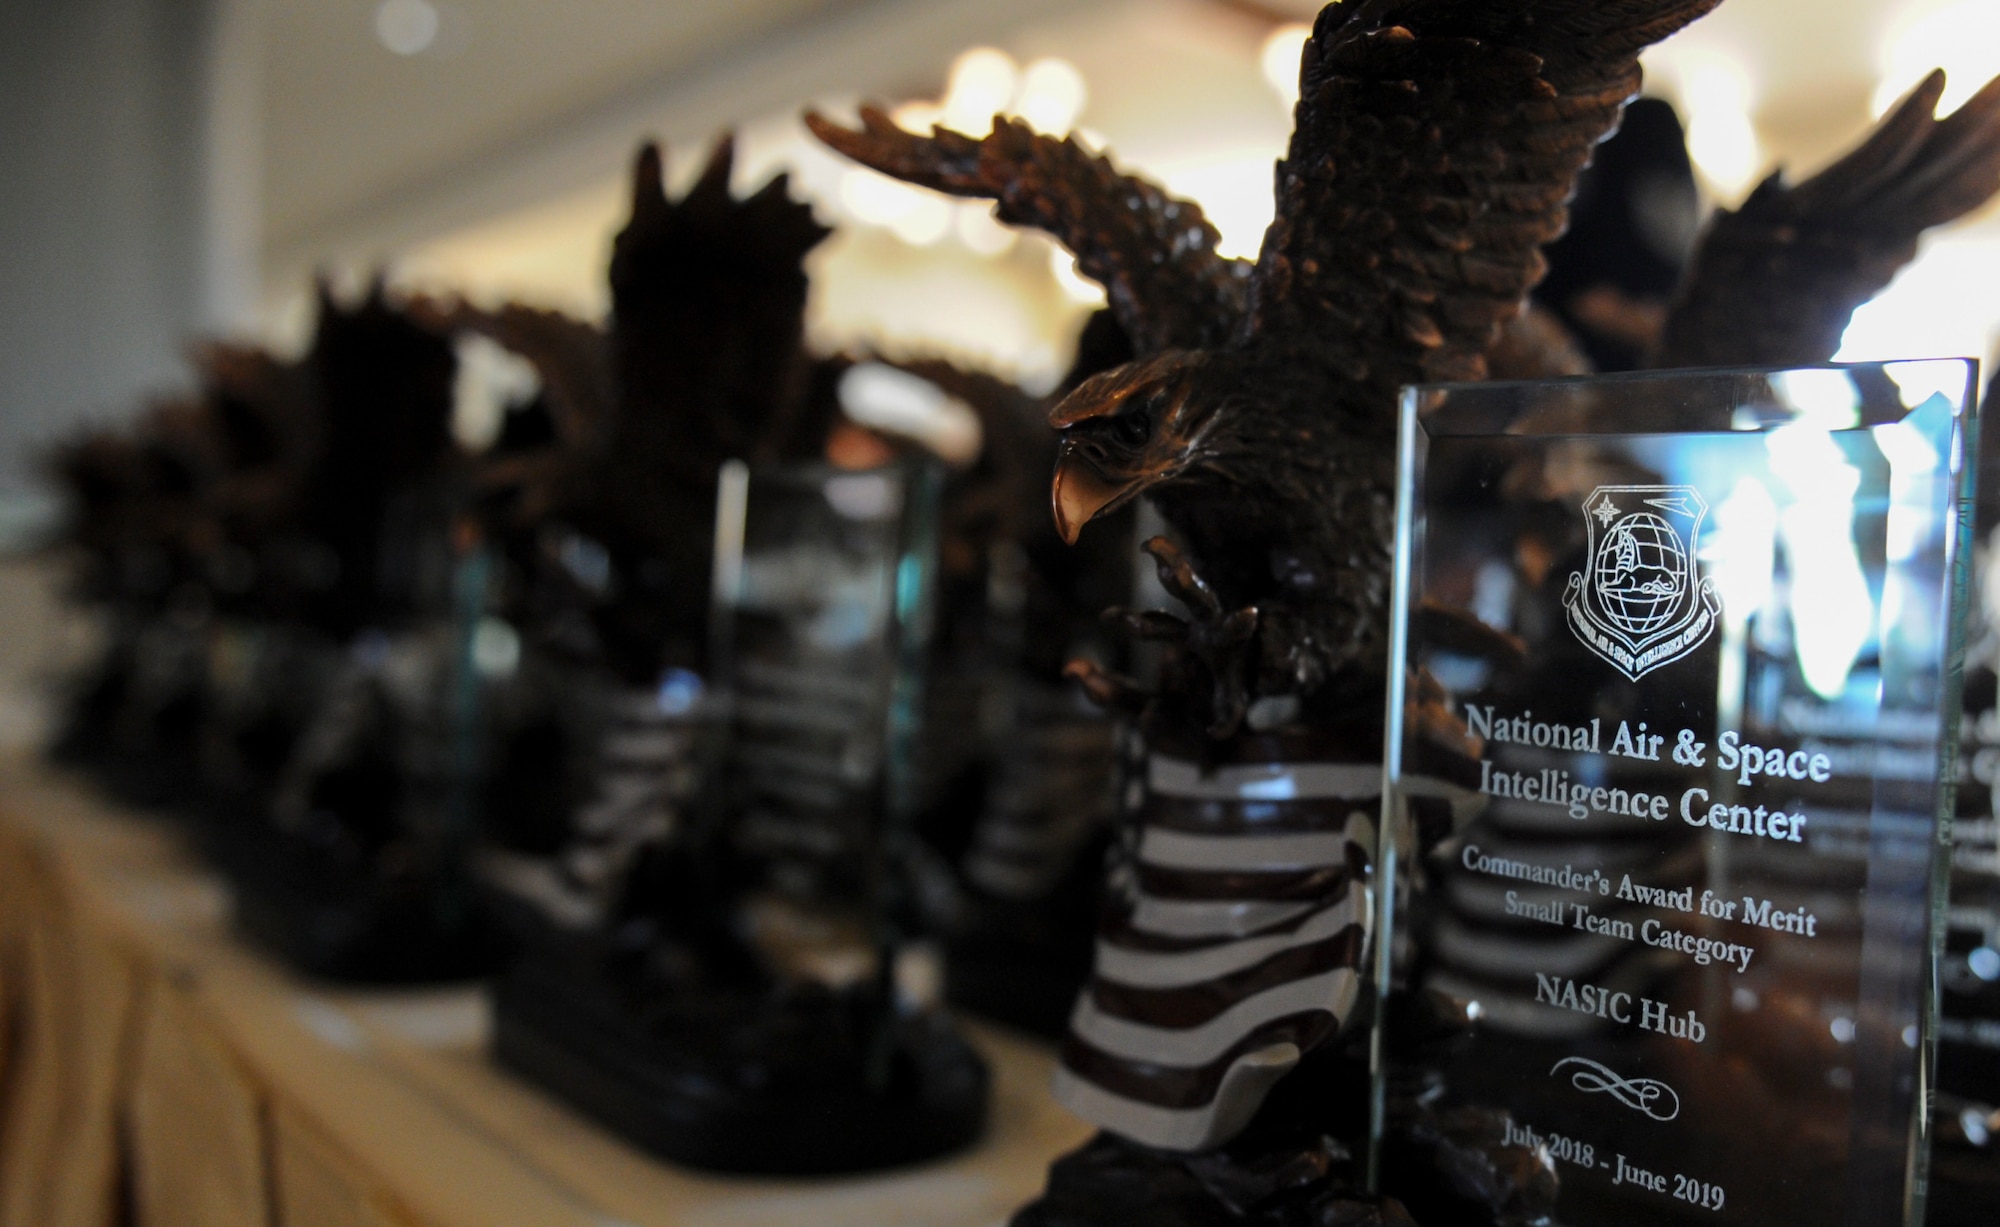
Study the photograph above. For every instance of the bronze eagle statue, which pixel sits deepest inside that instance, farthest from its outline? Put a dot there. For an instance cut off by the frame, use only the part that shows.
(1436, 146)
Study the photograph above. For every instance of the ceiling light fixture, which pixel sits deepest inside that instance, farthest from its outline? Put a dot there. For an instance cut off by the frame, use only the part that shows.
(407, 27)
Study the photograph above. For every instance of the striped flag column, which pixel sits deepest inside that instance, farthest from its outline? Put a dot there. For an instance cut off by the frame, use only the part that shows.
(1234, 944)
(646, 767)
(635, 757)
(1051, 795)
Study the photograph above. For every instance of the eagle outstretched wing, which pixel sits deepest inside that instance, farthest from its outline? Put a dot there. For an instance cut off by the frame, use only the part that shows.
(1775, 281)
(570, 356)
(1435, 149)
(1153, 254)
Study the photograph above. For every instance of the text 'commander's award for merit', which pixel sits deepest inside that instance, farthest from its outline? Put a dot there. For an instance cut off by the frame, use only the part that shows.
(1673, 727)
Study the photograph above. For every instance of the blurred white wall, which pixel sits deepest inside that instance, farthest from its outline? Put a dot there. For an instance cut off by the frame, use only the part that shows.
(105, 255)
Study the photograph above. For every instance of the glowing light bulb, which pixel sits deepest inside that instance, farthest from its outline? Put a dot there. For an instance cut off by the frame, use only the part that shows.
(875, 198)
(1724, 147)
(1234, 191)
(926, 221)
(1715, 95)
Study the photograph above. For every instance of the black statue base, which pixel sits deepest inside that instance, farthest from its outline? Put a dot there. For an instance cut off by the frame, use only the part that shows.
(1965, 1190)
(1300, 1161)
(1450, 1173)
(790, 1080)
(400, 924)
(152, 775)
(1113, 1181)
(1022, 962)
(1023, 984)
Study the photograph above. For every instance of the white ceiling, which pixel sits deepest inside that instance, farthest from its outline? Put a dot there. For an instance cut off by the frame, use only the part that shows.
(352, 131)
(350, 124)
(507, 140)
(519, 100)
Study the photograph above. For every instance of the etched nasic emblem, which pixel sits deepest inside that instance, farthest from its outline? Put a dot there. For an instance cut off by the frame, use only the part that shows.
(1641, 601)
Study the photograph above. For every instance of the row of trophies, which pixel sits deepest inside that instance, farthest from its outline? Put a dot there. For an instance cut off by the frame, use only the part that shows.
(706, 719)
(685, 701)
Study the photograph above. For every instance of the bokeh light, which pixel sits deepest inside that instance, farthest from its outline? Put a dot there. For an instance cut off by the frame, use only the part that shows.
(982, 83)
(1279, 58)
(1079, 287)
(981, 232)
(1717, 97)
(1962, 38)
(1052, 95)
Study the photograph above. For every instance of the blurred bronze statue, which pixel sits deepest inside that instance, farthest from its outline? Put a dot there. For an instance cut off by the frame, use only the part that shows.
(1770, 283)
(1774, 281)
(279, 560)
(642, 785)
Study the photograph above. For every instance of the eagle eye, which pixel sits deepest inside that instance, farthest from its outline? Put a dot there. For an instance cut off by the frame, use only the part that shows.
(1133, 428)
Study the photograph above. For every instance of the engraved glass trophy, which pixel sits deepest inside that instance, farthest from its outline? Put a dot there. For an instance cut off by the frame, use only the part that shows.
(741, 1012)
(1675, 831)
(1965, 1114)
(823, 586)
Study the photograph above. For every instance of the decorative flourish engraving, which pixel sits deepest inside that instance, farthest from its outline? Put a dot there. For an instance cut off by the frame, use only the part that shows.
(1649, 1095)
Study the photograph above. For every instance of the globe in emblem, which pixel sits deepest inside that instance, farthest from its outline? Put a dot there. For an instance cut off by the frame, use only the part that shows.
(1641, 573)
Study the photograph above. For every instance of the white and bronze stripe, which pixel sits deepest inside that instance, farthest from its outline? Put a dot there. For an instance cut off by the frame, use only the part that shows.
(1047, 800)
(643, 755)
(1237, 947)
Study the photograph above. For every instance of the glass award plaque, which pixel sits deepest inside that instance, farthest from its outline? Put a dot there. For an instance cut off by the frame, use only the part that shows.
(1965, 1114)
(1674, 718)
(823, 587)
(737, 1008)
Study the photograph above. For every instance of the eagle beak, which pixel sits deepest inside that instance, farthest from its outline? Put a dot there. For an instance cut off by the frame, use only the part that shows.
(1081, 492)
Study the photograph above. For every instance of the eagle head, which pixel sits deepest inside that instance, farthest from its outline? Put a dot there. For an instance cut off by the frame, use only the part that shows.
(1124, 431)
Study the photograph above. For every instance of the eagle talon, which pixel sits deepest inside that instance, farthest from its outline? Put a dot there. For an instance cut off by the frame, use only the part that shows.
(1221, 642)
(1151, 624)
(1182, 582)
(1110, 691)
